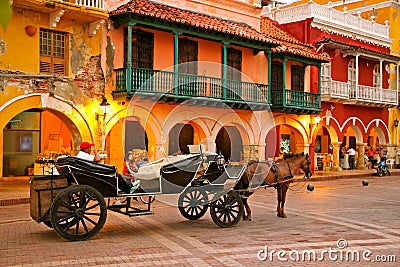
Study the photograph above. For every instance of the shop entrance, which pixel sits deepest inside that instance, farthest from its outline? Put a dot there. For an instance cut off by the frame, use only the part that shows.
(31, 136)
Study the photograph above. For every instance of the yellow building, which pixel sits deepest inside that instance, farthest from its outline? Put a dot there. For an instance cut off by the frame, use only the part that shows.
(50, 76)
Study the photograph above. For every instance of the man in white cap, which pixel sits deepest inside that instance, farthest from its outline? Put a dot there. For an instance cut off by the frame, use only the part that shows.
(84, 153)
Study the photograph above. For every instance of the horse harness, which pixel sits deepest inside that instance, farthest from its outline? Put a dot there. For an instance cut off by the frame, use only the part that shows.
(275, 168)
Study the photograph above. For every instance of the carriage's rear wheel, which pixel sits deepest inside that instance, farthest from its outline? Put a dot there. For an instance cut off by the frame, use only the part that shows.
(193, 202)
(78, 213)
(227, 211)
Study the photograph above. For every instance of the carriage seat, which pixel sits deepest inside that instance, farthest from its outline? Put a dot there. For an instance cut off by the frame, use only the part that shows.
(85, 165)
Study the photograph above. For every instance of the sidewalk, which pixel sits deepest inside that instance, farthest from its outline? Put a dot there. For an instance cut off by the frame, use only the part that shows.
(15, 190)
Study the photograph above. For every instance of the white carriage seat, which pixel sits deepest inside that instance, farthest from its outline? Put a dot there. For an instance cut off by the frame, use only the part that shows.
(151, 170)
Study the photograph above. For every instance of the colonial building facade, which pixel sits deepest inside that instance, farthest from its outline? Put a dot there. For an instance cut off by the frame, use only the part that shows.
(225, 74)
(359, 84)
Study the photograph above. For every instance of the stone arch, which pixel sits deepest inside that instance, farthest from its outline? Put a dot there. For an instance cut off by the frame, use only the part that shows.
(79, 127)
(284, 120)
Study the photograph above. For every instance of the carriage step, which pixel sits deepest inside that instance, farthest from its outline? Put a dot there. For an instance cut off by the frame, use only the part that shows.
(139, 212)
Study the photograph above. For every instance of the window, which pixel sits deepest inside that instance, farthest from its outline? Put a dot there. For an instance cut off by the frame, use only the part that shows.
(351, 77)
(188, 52)
(53, 52)
(234, 63)
(377, 76)
(233, 73)
(277, 76)
(298, 73)
(142, 49)
(326, 76)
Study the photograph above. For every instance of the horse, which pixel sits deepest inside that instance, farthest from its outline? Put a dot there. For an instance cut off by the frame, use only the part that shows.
(277, 174)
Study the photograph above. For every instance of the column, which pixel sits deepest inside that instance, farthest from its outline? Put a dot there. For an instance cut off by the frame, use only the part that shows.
(336, 158)
(261, 151)
(250, 152)
(361, 155)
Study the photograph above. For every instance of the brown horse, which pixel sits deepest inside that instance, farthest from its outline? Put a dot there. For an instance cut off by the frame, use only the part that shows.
(278, 174)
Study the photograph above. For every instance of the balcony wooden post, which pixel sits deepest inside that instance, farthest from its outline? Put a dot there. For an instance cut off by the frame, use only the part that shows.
(357, 70)
(129, 61)
(380, 79)
(284, 81)
(224, 61)
(269, 75)
(176, 61)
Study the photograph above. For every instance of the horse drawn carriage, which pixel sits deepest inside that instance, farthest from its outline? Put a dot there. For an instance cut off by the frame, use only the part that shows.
(73, 202)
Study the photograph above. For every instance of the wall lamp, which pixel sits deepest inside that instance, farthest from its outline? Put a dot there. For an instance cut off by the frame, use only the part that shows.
(396, 123)
(104, 106)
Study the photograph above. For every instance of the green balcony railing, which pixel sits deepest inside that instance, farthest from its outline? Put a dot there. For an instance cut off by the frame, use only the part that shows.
(291, 99)
(190, 85)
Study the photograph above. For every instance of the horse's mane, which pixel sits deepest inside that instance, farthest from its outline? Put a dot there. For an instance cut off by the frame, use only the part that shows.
(293, 155)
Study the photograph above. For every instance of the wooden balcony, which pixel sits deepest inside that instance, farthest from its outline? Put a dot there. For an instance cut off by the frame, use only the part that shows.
(173, 87)
(295, 102)
(336, 91)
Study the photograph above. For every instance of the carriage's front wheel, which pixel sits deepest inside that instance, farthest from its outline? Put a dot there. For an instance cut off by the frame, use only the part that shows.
(227, 211)
(78, 213)
(193, 203)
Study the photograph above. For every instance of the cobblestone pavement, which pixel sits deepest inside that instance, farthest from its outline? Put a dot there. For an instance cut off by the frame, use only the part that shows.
(362, 220)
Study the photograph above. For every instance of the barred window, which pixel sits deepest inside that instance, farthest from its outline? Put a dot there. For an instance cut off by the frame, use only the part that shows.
(234, 61)
(188, 52)
(298, 73)
(142, 49)
(53, 47)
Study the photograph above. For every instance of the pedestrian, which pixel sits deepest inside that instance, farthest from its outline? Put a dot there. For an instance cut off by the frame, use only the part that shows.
(352, 154)
(86, 148)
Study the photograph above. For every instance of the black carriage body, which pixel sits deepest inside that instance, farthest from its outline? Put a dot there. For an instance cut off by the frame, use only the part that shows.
(176, 176)
(102, 177)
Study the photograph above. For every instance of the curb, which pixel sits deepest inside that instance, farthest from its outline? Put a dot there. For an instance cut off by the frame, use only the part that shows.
(14, 201)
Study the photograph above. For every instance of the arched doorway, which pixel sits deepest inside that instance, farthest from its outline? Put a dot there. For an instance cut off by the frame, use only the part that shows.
(33, 135)
(180, 136)
(229, 143)
(285, 136)
(135, 136)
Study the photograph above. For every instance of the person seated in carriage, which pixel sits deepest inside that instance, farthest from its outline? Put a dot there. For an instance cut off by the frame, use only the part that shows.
(84, 153)
(130, 168)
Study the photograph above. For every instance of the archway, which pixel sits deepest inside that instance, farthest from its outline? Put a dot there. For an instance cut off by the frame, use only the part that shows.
(229, 143)
(180, 136)
(33, 135)
(67, 115)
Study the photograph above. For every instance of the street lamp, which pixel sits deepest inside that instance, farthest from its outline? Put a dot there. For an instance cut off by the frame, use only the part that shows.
(104, 108)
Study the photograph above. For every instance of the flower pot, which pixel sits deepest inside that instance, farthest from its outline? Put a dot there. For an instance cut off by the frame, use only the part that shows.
(30, 30)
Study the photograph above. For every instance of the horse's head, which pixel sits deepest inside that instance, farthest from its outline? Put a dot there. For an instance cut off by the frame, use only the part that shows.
(306, 165)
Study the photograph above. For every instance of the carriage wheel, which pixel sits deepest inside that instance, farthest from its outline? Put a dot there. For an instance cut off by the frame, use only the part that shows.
(78, 213)
(48, 224)
(192, 203)
(145, 199)
(227, 211)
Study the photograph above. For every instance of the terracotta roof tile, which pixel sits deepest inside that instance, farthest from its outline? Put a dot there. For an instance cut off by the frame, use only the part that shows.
(289, 44)
(173, 14)
(270, 31)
